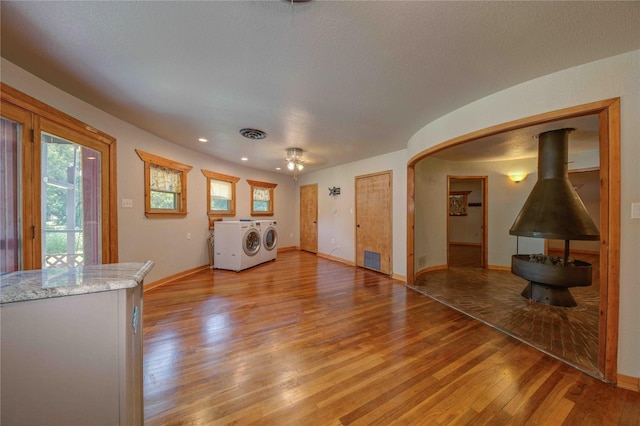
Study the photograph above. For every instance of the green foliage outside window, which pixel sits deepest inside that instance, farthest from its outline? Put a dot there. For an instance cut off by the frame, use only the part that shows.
(164, 200)
(220, 205)
(261, 206)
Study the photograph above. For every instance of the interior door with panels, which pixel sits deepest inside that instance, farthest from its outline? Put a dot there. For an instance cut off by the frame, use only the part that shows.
(373, 221)
(309, 218)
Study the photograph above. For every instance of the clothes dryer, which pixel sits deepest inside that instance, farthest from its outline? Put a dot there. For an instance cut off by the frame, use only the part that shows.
(269, 234)
(237, 245)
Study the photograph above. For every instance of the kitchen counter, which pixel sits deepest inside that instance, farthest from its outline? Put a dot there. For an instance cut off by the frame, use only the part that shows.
(72, 345)
(21, 286)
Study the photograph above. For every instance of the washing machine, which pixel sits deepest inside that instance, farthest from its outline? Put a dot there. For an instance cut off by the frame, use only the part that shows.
(269, 234)
(237, 245)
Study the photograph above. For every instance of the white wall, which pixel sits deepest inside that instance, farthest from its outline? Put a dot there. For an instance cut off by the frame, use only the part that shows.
(340, 226)
(504, 201)
(162, 240)
(618, 76)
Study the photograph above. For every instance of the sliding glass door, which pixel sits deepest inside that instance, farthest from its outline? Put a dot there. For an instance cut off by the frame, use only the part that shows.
(57, 191)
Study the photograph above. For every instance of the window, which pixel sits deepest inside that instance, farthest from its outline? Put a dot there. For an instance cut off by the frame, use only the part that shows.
(221, 194)
(262, 203)
(165, 186)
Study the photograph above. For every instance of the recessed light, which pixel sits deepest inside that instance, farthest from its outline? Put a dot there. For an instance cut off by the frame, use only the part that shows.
(203, 140)
(244, 159)
(278, 168)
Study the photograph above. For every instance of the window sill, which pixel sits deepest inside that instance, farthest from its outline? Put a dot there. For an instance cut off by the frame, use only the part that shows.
(165, 215)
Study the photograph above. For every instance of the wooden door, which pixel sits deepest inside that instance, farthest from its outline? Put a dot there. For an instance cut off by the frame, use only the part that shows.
(373, 221)
(309, 218)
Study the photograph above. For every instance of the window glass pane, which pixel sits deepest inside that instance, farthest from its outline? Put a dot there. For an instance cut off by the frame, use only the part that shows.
(220, 205)
(164, 200)
(261, 206)
(70, 204)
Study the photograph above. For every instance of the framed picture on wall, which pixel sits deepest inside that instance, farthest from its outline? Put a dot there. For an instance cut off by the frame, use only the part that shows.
(458, 203)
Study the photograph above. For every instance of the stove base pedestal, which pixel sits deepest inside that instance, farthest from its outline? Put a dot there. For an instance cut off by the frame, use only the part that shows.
(549, 294)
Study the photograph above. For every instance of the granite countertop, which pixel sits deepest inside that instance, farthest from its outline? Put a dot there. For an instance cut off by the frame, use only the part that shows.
(21, 286)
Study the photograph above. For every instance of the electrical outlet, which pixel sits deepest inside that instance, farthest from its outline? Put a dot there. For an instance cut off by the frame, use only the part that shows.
(188, 235)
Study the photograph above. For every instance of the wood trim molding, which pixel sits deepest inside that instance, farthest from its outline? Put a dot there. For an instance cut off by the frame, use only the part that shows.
(629, 383)
(547, 117)
(430, 269)
(170, 278)
(336, 259)
(499, 267)
(399, 277)
(261, 184)
(608, 111)
(466, 244)
(289, 248)
(25, 101)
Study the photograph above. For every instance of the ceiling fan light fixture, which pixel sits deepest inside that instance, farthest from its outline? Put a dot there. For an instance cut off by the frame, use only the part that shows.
(294, 161)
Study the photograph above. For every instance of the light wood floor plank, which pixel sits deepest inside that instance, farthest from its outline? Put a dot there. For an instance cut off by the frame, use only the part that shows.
(307, 341)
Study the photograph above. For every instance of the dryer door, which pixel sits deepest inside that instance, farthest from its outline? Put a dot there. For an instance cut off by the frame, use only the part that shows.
(270, 238)
(251, 242)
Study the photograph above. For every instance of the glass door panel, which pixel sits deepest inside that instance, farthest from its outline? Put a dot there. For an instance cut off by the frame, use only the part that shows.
(70, 203)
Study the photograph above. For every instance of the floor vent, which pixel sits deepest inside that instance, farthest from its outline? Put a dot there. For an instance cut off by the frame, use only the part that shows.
(372, 260)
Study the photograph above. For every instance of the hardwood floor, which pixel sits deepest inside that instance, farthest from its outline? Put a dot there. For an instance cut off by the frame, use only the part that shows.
(307, 341)
(494, 297)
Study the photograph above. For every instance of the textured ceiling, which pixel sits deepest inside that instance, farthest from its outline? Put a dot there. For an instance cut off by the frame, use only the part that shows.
(342, 80)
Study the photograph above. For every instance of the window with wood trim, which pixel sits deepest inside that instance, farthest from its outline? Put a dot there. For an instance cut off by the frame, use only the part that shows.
(165, 186)
(262, 200)
(221, 193)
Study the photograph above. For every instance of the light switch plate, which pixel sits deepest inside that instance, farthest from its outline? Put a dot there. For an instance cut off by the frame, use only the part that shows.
(127, 203)
(635, 210)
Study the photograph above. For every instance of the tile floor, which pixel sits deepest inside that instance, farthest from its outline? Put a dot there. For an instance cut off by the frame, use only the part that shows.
(493, 297)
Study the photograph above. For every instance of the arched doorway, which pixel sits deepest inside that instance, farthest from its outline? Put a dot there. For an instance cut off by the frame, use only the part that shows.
(608, 112)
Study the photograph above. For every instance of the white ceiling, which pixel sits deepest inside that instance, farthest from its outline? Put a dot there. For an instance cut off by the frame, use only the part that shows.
(342, 80)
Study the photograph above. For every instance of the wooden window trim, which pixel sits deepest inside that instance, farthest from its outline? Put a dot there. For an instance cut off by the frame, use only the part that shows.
(259, 184)
(150, 159)
(225, 178)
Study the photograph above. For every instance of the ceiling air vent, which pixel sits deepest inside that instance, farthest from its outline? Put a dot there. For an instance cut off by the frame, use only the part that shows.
(254, 134)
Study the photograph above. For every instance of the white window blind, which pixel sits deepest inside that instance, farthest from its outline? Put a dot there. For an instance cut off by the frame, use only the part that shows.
(221, 190)
(164, 179)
